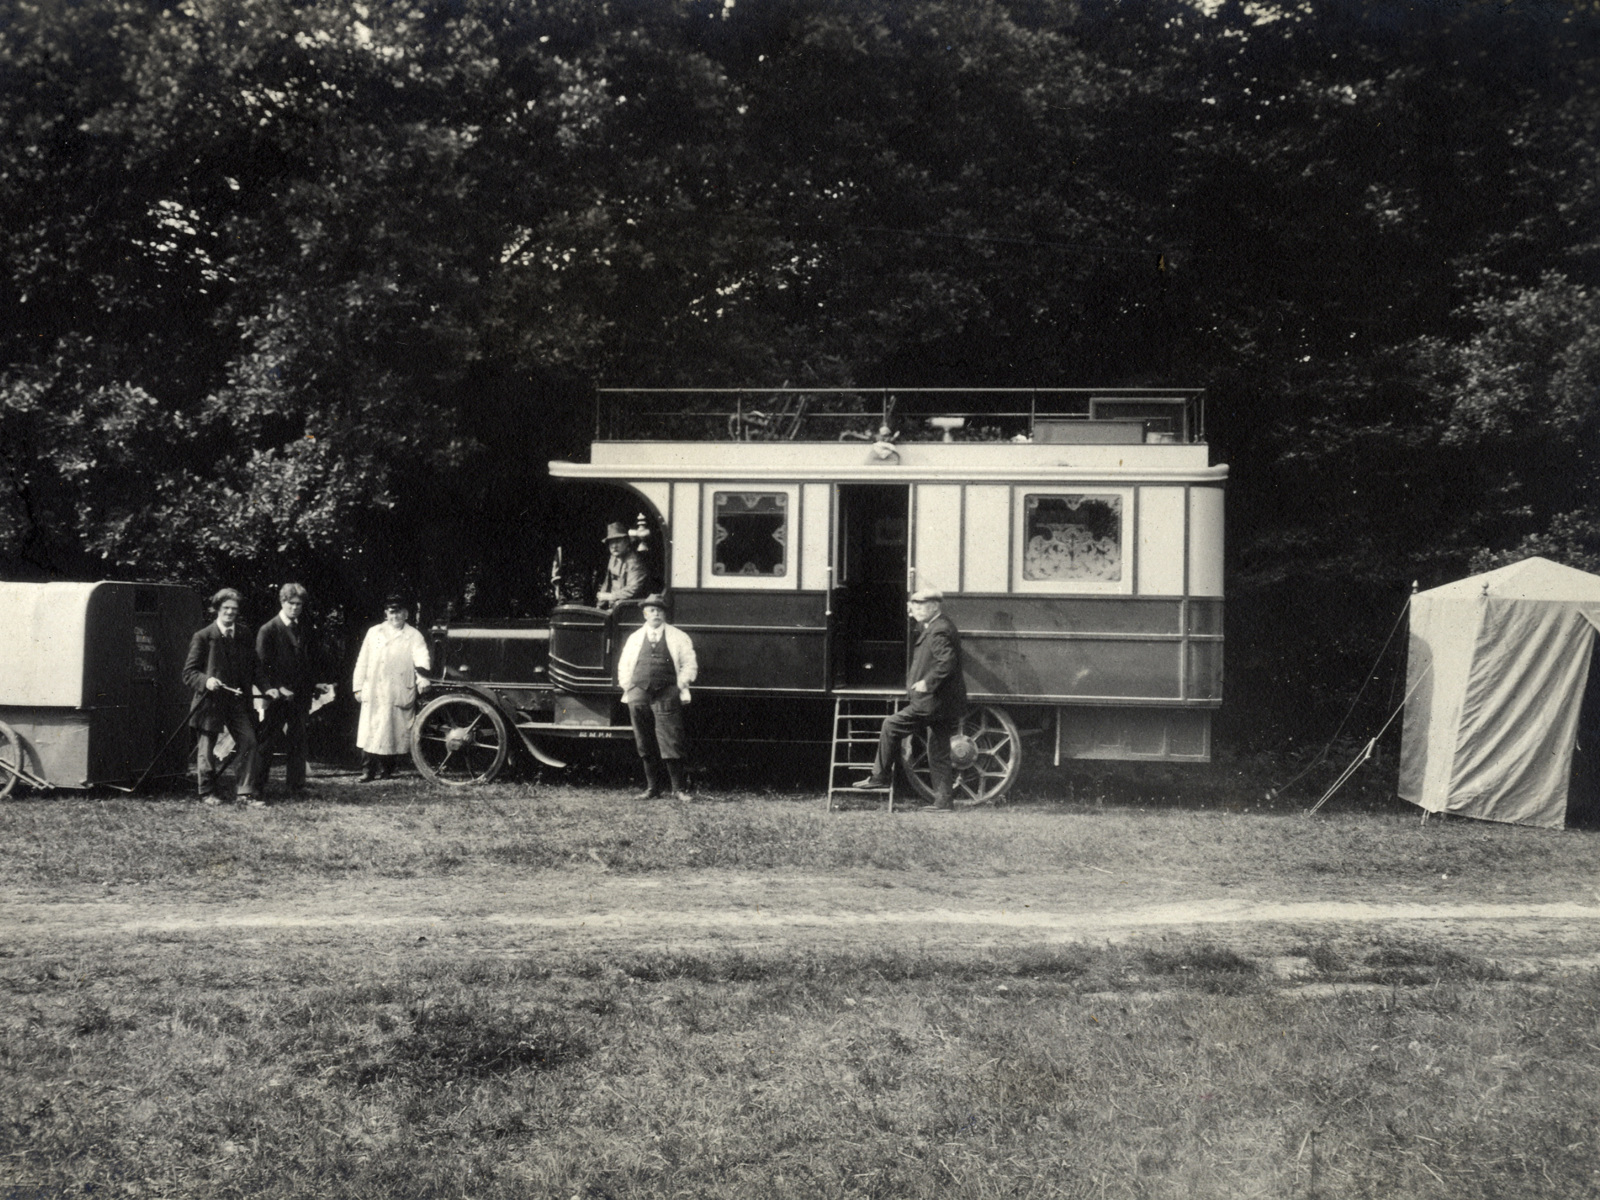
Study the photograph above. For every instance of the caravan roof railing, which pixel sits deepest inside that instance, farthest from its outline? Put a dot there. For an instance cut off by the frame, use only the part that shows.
(914, 413)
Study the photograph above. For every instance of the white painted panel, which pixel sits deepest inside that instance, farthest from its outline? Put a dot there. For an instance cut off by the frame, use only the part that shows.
(986, 540)
(685, 535)
(938, 552)
(1160, 561)
(1205, 541)
(815, 532)
(658, 493)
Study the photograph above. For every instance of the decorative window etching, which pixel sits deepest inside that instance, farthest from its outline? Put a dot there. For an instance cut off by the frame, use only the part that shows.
(752, 533)
(1073, 538)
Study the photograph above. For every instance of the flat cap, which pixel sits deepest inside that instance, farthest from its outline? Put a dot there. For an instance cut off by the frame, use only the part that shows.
(926, 595)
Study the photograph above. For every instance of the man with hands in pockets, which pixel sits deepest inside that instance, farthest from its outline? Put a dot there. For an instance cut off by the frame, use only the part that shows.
(655, 669)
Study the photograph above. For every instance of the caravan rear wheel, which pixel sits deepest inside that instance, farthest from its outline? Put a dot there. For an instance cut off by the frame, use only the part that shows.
(985, 757)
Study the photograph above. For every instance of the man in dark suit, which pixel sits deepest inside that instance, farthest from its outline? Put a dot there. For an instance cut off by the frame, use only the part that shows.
(221, 670)
(288, 678)
(937, 690)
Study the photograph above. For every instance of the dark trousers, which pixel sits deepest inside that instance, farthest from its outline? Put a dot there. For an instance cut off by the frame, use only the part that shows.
(901, 725)
(658, 729)
(283, 728)
(238, 718)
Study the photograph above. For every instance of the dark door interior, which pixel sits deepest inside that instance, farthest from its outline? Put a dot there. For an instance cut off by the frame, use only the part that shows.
(870, 586)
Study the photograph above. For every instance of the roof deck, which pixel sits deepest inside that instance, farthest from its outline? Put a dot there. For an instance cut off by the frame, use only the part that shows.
(1073, 416)
(984, 434)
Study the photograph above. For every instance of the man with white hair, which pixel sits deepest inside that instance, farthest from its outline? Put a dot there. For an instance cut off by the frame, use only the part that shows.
(937, 691)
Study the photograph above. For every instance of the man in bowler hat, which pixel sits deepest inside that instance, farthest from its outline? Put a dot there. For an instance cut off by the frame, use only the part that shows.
(937, 691)
(655, 669)
(221, 670)
(625, 573)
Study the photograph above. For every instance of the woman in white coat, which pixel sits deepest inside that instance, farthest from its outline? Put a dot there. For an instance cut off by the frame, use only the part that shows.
(389, 675)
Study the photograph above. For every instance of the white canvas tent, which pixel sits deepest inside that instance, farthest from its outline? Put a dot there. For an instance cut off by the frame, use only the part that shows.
(1495, 680)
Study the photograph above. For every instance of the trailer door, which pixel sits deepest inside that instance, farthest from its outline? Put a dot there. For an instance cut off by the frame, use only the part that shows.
(869, 599)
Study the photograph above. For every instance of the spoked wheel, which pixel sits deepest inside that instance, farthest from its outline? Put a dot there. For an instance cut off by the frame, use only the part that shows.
(985, 757)
(459, 740)
(10, 759)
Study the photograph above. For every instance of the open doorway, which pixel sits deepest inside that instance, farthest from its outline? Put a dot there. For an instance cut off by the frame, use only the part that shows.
(869, 598)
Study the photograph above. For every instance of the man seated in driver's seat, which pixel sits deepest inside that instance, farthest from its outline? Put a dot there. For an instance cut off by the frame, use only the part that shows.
(625, 573)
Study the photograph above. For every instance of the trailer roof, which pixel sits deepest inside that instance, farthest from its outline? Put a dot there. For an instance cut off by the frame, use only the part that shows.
(45, 627)
(47, 635)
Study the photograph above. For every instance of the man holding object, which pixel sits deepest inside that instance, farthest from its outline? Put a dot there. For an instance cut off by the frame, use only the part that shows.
(221, 670)
(283, 645)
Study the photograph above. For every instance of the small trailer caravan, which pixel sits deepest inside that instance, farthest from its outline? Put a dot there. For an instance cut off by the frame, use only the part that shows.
(90, 687)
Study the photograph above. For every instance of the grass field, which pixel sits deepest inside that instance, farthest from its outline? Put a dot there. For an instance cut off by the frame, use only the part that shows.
(179, 1020)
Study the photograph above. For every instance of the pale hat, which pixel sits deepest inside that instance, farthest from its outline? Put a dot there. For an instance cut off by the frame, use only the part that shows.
(927, 596)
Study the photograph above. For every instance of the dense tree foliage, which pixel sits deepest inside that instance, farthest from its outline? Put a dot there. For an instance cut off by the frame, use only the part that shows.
(304, 289)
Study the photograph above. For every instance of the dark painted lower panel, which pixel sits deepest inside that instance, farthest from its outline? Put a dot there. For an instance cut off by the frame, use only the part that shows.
(1144, 670)
(762, 660)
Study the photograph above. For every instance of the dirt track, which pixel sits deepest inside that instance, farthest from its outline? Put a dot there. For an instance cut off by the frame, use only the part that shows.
(594, 910)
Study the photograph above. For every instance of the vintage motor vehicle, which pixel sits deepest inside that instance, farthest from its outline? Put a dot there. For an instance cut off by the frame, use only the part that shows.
(1077, 535)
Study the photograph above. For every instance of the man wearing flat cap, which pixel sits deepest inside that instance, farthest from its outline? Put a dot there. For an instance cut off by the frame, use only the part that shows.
(655, 669)
(937, 691)
(625, 573)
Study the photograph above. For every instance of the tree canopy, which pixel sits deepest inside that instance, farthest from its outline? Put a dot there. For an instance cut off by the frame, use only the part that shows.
(301, 290)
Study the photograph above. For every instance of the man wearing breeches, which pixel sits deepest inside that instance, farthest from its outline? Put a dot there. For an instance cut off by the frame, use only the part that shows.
(937, 691)
(655, 669)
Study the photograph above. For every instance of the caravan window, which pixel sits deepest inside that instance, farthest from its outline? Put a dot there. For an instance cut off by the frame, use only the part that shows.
(752, 534)
(1074, 541)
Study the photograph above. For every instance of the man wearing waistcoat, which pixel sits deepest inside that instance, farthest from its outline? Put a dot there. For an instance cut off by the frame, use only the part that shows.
(221, 670)
(937, 690)
(283, 646)
(655, 669)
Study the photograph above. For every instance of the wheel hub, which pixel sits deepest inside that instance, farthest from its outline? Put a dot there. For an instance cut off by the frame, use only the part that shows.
(963, 752)
(457, 739)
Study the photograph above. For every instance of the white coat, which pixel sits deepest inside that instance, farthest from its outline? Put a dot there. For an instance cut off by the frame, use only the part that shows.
(387, 681)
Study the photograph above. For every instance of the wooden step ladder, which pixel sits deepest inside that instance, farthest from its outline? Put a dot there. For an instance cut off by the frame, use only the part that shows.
(857, 726)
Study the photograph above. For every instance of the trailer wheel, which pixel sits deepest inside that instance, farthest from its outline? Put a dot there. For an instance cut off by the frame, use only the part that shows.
(985, 757)
(11, 756)
(460, 739)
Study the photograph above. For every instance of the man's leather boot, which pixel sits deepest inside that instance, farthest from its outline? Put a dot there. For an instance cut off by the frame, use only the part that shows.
(680, 778)
(652, 779)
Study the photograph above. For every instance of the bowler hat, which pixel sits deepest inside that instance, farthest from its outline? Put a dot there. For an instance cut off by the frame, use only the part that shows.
(654, 600)
(615, 530)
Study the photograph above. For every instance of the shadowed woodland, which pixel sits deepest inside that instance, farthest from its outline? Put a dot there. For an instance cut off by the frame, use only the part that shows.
(312, 291)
